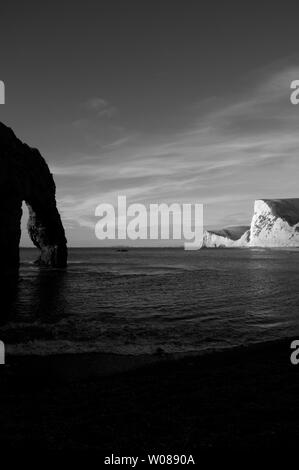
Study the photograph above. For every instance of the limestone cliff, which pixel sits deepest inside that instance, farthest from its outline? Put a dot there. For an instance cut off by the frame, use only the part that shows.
(25, 176)
(227, 238)
(275, 223)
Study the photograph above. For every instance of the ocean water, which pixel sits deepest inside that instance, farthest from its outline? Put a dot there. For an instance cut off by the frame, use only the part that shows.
(138, 301)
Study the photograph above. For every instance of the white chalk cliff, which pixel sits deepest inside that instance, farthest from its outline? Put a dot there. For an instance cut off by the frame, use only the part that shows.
(275, 223)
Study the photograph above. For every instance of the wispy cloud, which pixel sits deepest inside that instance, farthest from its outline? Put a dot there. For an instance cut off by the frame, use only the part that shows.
(101, 107)
(235, 149)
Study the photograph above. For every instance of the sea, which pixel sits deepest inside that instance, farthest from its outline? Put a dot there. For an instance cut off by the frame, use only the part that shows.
(153, 301)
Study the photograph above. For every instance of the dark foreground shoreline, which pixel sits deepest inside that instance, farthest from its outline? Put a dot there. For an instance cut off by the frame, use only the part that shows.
(233, 400)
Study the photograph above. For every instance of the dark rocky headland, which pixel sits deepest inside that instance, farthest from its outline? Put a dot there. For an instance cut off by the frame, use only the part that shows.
(25, 176)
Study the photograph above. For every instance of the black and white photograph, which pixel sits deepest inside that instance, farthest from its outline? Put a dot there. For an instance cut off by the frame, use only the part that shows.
(149, 234)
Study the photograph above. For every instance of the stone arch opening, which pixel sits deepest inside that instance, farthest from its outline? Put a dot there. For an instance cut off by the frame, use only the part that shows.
(25, 176)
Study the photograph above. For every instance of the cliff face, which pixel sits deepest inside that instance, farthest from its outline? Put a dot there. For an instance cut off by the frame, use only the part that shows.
(275, 223)
(227, 238)
(25, 176)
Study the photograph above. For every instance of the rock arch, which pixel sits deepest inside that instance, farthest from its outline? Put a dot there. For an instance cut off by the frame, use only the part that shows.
(25, 176)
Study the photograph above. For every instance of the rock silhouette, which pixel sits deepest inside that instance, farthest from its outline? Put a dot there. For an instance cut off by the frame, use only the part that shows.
(25, 176)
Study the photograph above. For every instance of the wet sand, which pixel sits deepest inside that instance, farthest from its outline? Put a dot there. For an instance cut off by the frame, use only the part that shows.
(238, 399)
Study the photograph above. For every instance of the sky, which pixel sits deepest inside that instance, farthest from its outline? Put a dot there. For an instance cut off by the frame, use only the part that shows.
(161, 101)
